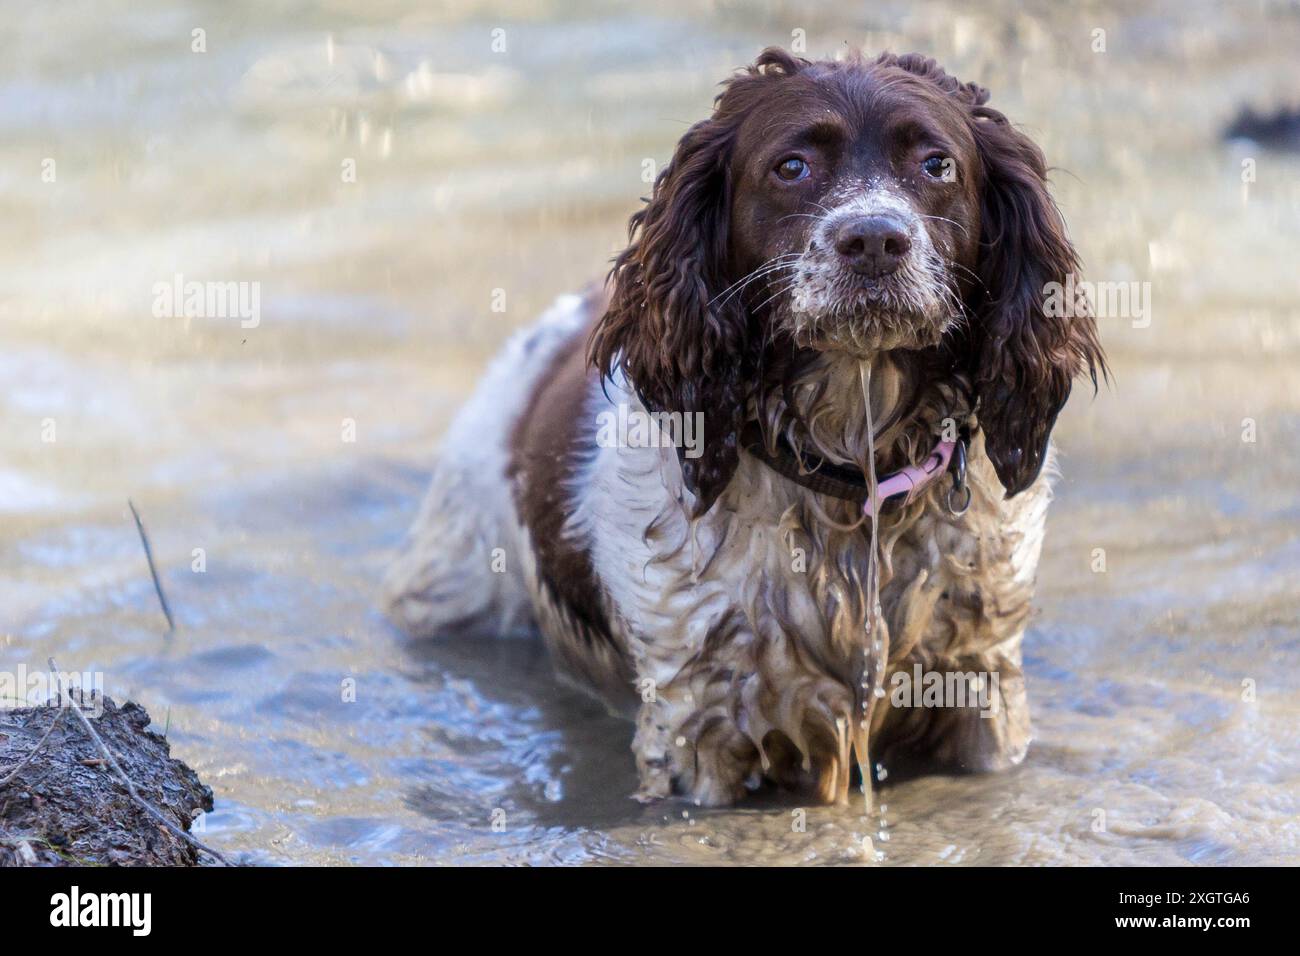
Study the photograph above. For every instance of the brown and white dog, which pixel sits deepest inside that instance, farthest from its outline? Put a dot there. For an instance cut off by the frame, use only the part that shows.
(835, 230)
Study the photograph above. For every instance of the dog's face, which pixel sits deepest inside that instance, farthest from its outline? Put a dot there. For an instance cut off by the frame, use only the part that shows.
(851, 207)
(855, 210)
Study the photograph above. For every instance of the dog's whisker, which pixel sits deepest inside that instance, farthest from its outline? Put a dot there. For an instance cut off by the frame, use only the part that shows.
(800, 215)
(964, 230)
(768, 272)
(758, 272)
(751, 275)
(969, 272)
(790, 285)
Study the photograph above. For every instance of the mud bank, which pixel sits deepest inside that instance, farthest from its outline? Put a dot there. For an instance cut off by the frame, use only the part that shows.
(67, 806)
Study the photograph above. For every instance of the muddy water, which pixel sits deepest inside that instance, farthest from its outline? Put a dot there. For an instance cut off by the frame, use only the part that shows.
(380, 171)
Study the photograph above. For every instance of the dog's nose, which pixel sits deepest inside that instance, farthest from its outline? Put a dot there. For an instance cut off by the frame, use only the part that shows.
(873, 245)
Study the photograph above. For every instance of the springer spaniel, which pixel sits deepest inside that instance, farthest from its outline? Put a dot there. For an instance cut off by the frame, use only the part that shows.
(795, 454)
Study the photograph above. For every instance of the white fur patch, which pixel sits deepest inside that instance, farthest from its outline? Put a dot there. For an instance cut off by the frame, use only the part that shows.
(828, 303)
(466, 528)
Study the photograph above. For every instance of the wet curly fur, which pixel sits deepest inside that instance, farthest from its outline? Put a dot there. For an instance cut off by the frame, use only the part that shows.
(722, 604)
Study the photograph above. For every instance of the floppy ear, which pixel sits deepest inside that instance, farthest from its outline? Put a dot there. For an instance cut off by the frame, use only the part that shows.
(678, 348)
(1027, 349)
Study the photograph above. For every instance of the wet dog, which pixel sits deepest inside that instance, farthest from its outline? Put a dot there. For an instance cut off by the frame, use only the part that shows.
(841, 277)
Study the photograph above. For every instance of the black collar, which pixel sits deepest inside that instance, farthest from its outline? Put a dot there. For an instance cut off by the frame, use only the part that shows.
(825, 477)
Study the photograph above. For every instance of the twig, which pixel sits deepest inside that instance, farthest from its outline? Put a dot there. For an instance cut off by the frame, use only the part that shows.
(130, 787)
(58, 851)
(4, 781)
(153, 571)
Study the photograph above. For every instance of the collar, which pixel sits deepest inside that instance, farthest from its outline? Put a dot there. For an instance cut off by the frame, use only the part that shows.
(894, 491)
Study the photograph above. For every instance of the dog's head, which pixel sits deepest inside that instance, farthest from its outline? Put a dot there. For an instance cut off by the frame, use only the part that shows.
(854, 207)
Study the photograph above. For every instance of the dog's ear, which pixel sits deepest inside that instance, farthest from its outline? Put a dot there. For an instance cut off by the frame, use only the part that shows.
(1027, 340)
(680, 348)
(678, 339)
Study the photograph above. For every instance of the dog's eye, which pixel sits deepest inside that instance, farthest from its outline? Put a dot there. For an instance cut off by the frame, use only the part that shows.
(792, 169)
(940, 167)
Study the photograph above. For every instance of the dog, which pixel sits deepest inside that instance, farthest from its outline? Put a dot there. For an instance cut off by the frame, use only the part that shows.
(794, 453)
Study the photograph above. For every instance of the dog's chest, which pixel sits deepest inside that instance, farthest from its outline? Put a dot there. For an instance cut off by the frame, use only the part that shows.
(764, 570)
(753, 567)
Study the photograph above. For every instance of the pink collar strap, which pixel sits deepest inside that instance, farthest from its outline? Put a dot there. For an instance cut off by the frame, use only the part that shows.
(895, 490)
(912, 480)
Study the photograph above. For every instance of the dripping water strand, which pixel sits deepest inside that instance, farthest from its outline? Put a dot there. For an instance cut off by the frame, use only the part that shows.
(873, 655)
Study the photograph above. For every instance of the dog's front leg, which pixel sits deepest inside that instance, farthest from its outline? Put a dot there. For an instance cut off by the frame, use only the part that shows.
(689, 744)
(750, 709)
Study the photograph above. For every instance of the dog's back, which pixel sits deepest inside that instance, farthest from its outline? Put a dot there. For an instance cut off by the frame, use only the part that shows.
(461, 566)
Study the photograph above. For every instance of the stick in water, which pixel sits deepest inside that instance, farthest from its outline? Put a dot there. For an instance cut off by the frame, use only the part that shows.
(153, 571)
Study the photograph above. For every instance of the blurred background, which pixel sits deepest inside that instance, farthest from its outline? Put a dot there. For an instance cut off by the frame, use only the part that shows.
(407, 183)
